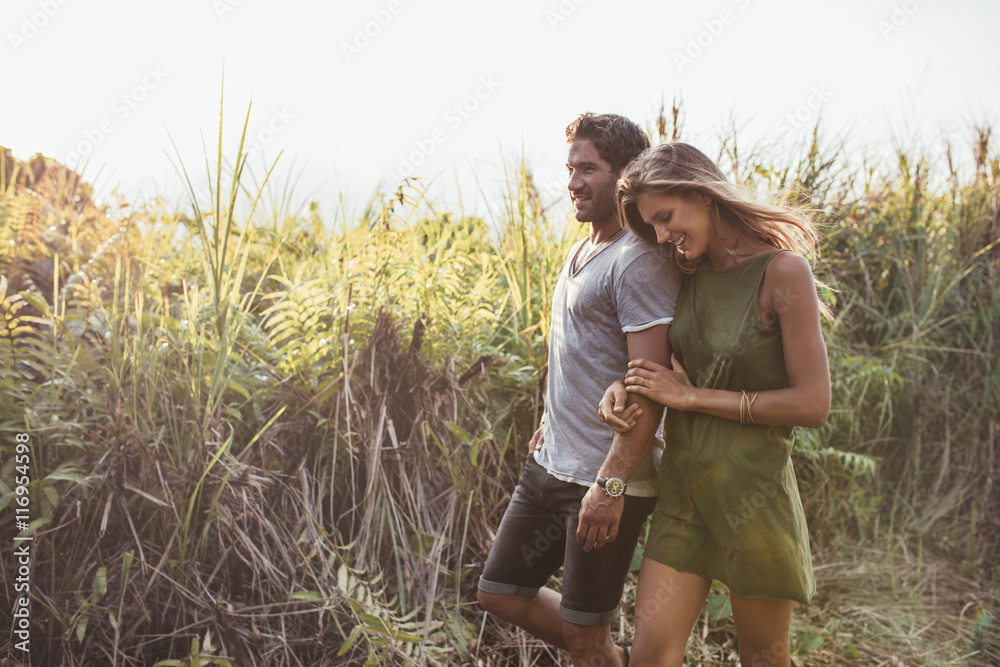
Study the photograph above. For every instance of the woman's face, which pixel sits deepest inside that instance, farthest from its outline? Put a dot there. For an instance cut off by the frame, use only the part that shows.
(682, 221)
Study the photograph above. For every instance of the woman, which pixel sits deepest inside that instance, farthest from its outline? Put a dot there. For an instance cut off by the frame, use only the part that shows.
(749, 363)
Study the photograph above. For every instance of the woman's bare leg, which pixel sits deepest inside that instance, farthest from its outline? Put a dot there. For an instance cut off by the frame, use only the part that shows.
(667, 605)
(762, 630)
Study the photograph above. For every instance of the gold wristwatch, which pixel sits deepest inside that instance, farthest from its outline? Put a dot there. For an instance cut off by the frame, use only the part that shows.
(612, 486)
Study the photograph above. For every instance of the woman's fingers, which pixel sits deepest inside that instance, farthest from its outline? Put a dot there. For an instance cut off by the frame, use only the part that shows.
(645, 364)
(629, 417)
(631, 412)
(612, 408)
(638, 377)
(634, 373)
(620, 397)
(621, 422)
(614, 399)
(636, 382)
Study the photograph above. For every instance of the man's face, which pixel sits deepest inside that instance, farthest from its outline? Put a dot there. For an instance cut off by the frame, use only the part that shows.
(591, 183)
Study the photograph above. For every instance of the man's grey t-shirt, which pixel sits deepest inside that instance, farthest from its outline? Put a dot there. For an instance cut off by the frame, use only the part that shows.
(629, 286)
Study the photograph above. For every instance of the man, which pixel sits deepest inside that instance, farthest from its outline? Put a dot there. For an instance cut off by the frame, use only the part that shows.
(584, 495)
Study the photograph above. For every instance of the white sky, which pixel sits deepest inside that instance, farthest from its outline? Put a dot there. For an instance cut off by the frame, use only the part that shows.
(885, 68)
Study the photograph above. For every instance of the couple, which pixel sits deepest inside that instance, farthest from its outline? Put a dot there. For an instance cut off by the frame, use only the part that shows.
(695, 295)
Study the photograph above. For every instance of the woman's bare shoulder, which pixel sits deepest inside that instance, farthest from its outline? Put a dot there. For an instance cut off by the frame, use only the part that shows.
(789, 267)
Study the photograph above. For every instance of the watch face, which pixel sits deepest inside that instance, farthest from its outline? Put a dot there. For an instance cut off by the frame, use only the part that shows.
(614, 487)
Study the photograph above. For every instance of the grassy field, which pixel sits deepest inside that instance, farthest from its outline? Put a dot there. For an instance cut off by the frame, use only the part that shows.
(269, 439)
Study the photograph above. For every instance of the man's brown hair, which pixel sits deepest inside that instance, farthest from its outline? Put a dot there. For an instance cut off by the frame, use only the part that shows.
(617, 139)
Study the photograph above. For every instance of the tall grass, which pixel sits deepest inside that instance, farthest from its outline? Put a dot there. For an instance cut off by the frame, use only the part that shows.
(270, 440)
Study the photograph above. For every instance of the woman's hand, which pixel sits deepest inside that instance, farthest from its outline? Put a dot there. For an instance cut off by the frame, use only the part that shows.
(613, 411)
(671, 388)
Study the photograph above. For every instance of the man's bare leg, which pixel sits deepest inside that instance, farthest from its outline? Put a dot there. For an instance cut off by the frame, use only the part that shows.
(590, 645)
(538, 615)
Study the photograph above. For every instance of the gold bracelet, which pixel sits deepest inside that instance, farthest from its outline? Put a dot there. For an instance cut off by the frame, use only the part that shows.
(750, 407)
(743, 400)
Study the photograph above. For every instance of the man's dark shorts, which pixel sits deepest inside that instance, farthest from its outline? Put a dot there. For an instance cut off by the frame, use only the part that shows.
(538, 534)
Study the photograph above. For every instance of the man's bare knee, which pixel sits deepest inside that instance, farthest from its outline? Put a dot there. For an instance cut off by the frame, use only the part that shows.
(491, 602)
(504, 606)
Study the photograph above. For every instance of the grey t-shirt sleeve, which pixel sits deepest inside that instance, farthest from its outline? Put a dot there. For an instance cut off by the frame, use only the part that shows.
(646, 292)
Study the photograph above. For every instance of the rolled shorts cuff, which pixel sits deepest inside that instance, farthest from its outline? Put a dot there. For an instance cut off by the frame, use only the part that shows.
(588, 617)
(506, 589)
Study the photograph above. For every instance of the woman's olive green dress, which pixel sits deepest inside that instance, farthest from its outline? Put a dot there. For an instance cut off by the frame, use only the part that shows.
(729, 505)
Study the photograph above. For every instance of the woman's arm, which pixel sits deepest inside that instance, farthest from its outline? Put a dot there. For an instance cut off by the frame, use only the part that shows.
(790, 294)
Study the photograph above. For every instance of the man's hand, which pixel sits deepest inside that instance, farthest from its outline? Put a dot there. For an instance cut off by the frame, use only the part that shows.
(599, 518)
(535, 445)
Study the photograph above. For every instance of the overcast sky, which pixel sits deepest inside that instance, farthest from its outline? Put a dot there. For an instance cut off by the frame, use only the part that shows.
(359, 93)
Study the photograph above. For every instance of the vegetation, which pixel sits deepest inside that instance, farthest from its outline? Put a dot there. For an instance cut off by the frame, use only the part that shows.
(269, 440)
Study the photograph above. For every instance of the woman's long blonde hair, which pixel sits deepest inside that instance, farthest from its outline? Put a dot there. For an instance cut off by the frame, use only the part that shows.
(677, 168)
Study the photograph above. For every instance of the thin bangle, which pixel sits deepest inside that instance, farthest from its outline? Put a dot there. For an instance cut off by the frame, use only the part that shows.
(750, 407)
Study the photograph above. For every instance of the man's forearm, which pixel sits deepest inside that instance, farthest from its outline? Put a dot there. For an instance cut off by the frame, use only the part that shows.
(629, 448)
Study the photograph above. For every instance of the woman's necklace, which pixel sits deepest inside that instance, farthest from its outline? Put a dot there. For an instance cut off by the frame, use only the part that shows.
(734, 251)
